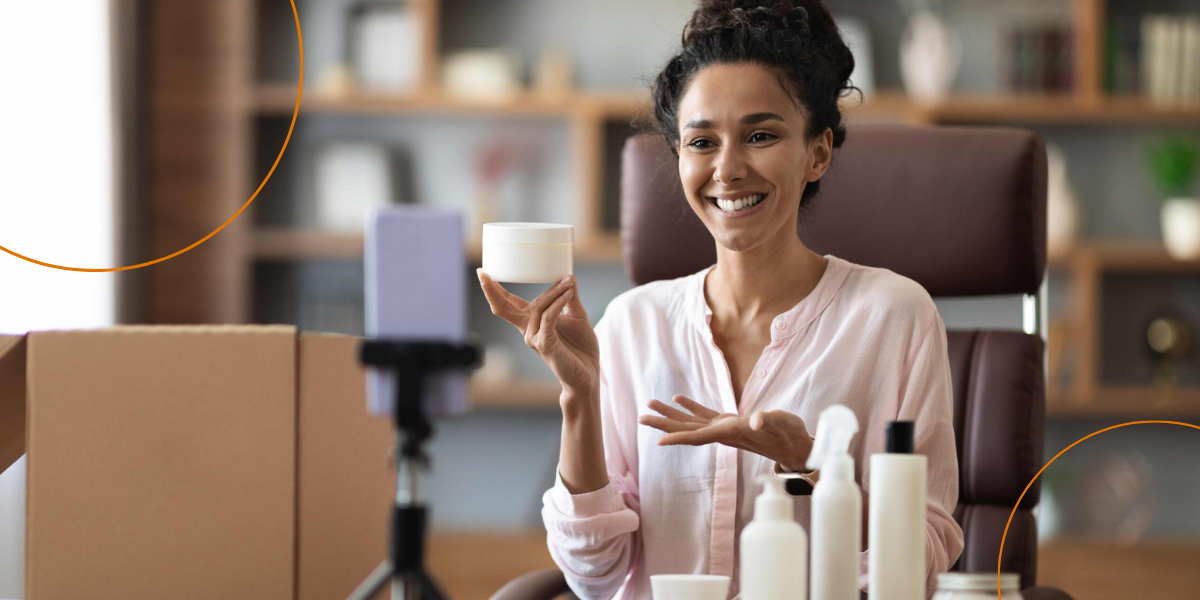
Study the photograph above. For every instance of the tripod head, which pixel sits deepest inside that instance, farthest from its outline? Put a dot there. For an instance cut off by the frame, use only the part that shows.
(413, 362)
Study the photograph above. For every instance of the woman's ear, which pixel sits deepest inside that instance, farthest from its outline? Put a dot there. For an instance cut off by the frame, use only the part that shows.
(820, 152)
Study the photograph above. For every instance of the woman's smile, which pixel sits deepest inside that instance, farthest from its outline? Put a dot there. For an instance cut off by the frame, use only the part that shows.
(734, 206)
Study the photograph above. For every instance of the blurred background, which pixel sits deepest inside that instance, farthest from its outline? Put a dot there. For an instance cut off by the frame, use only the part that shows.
(169, 114)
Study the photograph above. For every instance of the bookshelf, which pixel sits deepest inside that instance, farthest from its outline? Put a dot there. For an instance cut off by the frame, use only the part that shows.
(1076, 338)
(209, 125)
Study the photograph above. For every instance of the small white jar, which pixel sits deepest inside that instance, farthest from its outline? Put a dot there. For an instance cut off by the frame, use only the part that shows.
(527, 252)
(977, 586)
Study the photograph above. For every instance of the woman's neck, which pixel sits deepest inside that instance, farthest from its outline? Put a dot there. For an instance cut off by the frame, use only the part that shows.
(762, 282)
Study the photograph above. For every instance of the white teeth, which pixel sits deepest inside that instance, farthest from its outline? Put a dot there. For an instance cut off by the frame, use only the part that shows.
(739, 204)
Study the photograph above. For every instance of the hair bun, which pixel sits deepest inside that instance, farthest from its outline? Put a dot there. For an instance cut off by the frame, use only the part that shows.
(796, 18)
(715, 15)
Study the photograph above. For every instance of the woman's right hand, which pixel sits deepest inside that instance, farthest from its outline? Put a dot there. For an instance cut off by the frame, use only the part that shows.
(563, 338)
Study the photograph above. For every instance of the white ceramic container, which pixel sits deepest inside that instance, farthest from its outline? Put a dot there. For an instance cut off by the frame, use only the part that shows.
(1181, 227)
(977, 586)
(528, 252)
(689, 587)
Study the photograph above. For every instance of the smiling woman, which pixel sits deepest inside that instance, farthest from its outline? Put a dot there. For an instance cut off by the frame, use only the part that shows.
(750, 350)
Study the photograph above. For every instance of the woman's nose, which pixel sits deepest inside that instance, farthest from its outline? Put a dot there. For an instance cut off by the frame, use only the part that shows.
(730, 166)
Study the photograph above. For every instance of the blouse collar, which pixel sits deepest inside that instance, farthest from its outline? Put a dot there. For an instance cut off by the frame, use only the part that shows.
(794, 319)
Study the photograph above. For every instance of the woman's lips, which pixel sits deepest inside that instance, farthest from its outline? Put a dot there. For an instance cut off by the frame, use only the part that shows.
(741, 213)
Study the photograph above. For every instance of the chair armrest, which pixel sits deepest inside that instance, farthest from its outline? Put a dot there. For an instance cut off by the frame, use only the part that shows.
(545, 584)
(1044, 593)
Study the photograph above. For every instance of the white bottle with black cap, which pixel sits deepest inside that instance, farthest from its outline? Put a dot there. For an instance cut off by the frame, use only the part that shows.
(896, 527)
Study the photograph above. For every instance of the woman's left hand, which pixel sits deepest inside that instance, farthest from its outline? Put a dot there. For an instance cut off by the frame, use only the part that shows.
(776, 434)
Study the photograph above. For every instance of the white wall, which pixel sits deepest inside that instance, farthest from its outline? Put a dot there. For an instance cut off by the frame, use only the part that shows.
(56, 193)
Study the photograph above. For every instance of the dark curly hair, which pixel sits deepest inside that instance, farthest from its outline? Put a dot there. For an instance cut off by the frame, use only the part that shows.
(797, 39)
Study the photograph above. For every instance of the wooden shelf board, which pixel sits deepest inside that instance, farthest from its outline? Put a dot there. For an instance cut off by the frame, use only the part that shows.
(1127, 401)
(605, 247)
(1131, 256)
(1056, 109)
(281, 244)
(515, 394)
(280, 99)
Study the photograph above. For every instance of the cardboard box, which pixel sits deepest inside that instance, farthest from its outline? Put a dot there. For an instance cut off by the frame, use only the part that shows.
(195, 462)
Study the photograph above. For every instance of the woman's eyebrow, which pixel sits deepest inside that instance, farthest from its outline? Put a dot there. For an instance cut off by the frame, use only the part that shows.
(756, 118)
(750, 119)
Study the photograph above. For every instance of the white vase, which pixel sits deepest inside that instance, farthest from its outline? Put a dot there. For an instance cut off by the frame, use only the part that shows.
(1062, 207)
(930, 53)
(1181, 227)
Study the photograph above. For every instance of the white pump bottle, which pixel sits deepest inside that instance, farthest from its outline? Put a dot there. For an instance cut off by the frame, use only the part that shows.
(836, 522)
(774, 548)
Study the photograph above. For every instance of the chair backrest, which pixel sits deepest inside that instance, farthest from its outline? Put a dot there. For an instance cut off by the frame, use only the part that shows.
(962, 211)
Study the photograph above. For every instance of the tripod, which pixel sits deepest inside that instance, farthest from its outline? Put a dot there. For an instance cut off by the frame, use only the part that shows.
(412, 362)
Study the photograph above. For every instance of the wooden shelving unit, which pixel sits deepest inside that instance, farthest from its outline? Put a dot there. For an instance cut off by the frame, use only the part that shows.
(1079, 341)
(207, 121)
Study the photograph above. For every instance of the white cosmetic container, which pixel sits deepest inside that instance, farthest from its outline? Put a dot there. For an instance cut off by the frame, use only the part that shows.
(774, 548)
(689, 587)
(977, 586)
(527, 252)
(896, 536)
(836, 527)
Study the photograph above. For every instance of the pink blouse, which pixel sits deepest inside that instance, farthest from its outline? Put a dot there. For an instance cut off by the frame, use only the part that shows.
(865, 337)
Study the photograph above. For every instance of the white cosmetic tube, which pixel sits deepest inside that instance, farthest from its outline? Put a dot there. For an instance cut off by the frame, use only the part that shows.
(896, 537)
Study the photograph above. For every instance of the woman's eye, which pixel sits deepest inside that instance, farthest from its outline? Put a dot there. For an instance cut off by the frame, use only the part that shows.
(761, 136)
(700, 144)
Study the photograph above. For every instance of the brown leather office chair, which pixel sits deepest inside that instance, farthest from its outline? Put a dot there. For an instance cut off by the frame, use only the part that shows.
(961, 211)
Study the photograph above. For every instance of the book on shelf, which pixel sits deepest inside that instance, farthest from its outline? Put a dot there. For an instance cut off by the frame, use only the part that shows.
(1157, 56)
(1040, 59)
(1123, 51)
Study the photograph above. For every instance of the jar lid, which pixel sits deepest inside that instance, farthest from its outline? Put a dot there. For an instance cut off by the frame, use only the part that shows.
(527, 233)
(978, 582)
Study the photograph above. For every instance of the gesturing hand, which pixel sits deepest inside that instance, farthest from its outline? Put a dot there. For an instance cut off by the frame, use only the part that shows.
(778, 435)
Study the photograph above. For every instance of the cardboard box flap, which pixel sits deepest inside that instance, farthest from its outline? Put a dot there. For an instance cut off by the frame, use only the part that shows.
(12, 399)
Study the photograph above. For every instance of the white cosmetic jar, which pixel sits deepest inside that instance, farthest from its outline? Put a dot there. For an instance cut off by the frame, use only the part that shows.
(527, 252)
(977, 586)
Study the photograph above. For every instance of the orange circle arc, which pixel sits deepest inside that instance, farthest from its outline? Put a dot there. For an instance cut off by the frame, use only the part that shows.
(1039, 474)
(295, 113)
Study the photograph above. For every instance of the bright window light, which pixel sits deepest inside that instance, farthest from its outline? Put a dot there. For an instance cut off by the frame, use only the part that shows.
(56, 164)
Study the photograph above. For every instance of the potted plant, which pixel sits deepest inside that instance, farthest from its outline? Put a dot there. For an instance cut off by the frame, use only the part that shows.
(1174, 162)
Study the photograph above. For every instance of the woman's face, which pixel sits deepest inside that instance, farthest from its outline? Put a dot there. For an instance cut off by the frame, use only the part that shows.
(743, 158)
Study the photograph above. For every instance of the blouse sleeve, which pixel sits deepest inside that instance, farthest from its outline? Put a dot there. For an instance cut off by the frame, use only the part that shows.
(928, 400)
(593, 537)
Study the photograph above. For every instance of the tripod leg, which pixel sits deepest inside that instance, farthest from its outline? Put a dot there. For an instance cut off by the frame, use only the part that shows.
(429, 587)
(373, 583)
